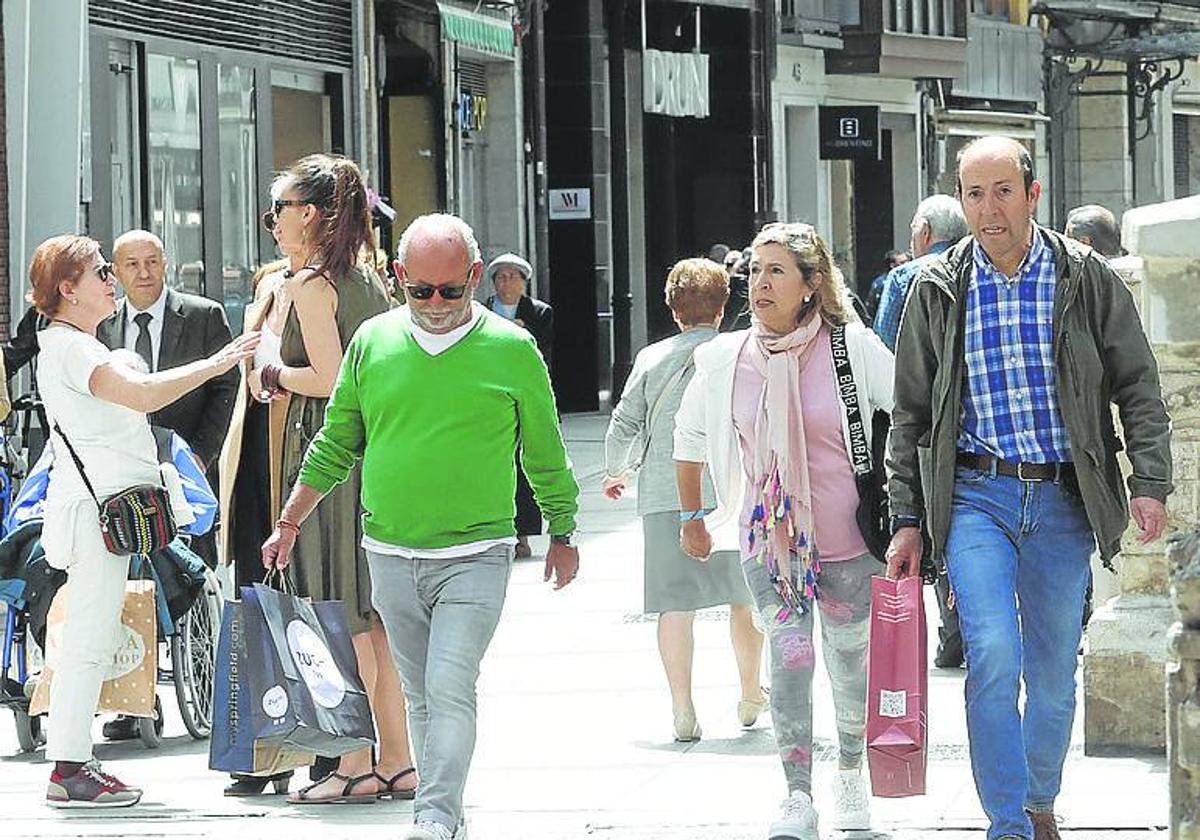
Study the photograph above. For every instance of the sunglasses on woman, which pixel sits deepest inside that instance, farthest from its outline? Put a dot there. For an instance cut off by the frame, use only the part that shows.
(422, 291)
(105, 272)
(269, 217)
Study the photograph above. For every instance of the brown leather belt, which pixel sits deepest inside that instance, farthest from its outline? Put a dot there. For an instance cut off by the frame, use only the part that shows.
(1023, 471)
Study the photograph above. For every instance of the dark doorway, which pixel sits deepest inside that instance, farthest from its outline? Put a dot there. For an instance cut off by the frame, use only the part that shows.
(699, 173)
(874, 232)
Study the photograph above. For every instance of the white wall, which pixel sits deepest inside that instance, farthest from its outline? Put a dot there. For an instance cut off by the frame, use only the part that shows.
(44, 65)
(802, 181)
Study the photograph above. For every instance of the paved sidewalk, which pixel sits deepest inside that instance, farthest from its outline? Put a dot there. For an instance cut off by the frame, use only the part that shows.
(574, 737)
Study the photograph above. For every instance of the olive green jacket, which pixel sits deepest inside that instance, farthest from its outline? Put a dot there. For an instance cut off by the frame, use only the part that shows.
(1101, 356)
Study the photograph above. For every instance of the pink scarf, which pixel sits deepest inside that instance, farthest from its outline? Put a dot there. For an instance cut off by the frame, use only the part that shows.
(781, 523)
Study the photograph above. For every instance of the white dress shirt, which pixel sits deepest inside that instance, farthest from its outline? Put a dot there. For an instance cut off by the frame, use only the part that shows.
(157, 310)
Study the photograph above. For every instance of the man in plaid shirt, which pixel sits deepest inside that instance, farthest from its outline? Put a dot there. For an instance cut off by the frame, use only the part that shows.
(1012, 349)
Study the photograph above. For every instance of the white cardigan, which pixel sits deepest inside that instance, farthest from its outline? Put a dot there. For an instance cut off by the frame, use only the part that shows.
(704, 431)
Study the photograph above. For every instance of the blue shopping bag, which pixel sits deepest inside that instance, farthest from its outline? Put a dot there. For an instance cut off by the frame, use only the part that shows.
(233, 747)
(312, 697)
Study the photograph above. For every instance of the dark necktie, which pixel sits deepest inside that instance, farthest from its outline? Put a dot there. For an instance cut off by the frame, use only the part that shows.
(142, 345)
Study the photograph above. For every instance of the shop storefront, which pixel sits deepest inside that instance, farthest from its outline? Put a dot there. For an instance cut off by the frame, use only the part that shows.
(701, 114)
(860, 202)
(191, 111)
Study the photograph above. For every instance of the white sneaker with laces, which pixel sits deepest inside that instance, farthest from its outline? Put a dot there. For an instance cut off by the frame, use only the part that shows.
(851, 802)
(797, 819)
(429, 830)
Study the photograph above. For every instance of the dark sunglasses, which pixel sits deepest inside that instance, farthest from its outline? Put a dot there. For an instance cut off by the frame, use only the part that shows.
(105, 272)
(269, 217)
(422, 291)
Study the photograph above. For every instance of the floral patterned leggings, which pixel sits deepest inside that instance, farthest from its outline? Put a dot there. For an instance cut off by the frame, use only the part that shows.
(844, 601)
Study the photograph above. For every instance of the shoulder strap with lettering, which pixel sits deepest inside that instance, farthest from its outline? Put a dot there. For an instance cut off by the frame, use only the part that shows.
(860, 453)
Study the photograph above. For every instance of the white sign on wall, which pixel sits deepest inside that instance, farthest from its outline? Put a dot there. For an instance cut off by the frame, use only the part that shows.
(675, 84)
(573, 203)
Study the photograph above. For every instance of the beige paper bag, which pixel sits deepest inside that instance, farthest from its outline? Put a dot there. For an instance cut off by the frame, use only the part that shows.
(129, 684)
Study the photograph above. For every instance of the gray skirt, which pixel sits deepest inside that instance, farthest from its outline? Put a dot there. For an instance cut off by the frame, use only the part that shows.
(675, 582)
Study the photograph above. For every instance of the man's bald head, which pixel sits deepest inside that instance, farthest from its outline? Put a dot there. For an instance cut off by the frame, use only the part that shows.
(131, 237)
(997, 146)
(141, 266)
(438, 231)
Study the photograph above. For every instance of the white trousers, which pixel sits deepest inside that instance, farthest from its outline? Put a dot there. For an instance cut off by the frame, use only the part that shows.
(96, 593)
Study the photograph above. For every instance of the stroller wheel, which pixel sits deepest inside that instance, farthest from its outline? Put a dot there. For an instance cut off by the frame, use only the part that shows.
(29, 731)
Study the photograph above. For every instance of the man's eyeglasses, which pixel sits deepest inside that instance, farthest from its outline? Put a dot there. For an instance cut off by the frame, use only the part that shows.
(269, 217)
(422, 291)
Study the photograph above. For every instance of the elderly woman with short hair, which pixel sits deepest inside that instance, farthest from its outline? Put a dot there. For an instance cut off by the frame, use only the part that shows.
(639, 437)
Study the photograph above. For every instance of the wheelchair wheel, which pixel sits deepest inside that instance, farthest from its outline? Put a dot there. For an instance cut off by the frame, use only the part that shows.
(193, 659)
(150, 729)
(29, 731)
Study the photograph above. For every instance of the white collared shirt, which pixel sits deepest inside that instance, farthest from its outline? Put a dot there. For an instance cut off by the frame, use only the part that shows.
(437, 343)
(157, 311)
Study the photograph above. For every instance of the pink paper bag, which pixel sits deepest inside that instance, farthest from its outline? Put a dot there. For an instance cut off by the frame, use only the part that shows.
(897, 688)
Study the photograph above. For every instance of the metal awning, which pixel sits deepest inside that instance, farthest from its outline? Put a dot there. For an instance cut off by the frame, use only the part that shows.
(484, 33)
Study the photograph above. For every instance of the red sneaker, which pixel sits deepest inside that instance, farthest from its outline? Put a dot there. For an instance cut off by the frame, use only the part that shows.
(90, 787)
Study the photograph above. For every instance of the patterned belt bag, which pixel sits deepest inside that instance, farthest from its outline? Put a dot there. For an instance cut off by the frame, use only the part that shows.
(138, 520)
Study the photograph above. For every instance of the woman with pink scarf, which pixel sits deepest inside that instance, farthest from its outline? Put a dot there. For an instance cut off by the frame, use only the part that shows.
(765, 413)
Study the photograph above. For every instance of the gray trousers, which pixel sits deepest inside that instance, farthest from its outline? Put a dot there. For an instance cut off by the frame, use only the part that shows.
(844, 601)
(440, 616)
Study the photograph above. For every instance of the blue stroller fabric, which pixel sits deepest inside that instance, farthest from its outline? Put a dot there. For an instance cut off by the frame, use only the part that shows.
(172, 449)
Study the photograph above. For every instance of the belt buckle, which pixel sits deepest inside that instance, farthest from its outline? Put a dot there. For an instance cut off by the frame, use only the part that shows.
(1021, 476)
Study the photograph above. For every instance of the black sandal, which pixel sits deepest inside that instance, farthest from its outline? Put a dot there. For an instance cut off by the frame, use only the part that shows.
(389, 786)
(344, 798)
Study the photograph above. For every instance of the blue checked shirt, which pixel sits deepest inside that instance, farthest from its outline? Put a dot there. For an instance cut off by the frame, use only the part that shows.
(1010, 398)
(895, 293)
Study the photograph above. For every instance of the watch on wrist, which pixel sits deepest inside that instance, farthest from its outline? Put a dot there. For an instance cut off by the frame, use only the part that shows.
(563, 539)
(899, 522)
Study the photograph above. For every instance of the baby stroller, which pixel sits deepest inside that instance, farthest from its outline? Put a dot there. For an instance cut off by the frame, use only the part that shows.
(187, 592)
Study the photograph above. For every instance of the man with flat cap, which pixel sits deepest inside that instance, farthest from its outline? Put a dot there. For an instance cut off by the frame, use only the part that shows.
(509, 275)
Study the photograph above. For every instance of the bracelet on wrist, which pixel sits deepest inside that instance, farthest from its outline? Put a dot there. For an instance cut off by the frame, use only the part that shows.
(270, 378)
(282, 523)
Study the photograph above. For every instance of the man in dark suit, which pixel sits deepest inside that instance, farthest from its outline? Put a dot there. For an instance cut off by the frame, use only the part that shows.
(168, 329)
(509, 274)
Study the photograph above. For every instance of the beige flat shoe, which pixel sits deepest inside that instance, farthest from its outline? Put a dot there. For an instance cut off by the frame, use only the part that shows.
(687, 728)
(749, 710)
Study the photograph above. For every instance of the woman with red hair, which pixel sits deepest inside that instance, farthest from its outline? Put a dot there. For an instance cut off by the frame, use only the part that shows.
(99, 406)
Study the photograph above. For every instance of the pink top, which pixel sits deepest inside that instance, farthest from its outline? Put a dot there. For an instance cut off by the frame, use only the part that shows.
(834, 493)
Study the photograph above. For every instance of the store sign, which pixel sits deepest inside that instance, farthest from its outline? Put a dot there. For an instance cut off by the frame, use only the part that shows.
(574, 203)
(675, 84)
(472, 111)
(848, 133)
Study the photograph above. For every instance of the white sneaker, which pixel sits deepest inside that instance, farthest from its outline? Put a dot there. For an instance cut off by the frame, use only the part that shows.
(797, 819)
(851, 802)
(429, 830)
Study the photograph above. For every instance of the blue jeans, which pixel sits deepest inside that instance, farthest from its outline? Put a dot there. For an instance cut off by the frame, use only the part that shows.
(440, 616)
(1017, 556)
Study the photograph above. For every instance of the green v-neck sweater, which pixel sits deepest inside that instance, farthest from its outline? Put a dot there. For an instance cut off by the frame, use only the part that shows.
(437, 434)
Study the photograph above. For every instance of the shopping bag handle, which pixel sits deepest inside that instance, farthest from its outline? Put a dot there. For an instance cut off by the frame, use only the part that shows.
(286, 584)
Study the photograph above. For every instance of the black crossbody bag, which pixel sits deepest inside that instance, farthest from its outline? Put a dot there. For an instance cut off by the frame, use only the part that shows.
(874, 522)
(138, 520)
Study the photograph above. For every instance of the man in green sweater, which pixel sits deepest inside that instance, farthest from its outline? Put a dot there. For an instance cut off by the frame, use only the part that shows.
(435, 398)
